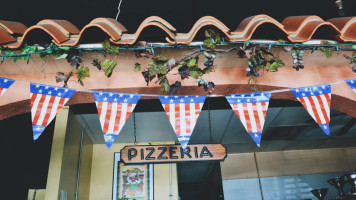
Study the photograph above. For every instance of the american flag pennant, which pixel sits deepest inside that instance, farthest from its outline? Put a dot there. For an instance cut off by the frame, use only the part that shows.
(316, 100)
(5, 83)
(114, 109)
(183, 113)
(352, 84)
(251, 108)
(46, 101)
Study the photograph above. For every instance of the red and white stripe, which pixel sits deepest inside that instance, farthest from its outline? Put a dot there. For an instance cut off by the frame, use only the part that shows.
(2, 90)
(318, 107)
(183, 116)
(113, 115)
(252, 115)
(45, 107)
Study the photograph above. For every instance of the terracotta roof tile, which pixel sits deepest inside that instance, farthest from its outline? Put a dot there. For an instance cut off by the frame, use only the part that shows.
(13, 27)
(248, 26)
(113, 28)
(64, 33)
(10, 30)
(347, 27)
(302, 28)
(150, 21)
(186, 38)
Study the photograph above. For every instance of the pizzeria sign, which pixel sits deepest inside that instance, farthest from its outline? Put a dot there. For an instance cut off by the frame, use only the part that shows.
(172, 153)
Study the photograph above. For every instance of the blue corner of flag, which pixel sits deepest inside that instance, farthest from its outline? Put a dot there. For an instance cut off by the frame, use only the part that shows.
(183, 140)
(37, 131)
(256, 137)
(325, 128)
(109, 139)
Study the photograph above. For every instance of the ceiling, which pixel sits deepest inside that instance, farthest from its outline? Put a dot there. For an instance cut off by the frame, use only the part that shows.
(289, 127)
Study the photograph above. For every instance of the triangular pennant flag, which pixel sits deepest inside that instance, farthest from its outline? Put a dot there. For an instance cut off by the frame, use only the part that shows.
(114, 109)
(46, 101)
(5, 83)
(251, 108)
(316, 100)
(352, 84)
(183, 113)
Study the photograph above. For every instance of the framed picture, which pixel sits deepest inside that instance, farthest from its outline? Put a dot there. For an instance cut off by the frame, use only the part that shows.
(132, 181)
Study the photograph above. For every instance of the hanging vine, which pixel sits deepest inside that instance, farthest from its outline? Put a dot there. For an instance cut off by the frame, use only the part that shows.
(260, 59)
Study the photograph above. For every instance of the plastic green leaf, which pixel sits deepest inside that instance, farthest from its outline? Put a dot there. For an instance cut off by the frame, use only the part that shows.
(192, 63)
(109, 47)
(28, 49)
(206, 54)
(271, 67)
(82, 72)
(160, 59)
(11, 53)
(251, 80)
(165, 85)
(137, 66)
(64, 48)
(108, 67)
(281, 41)
(210, 43)
(179, 66)
(327, 51)
(157, 68)
(195, 74)
(62, 56)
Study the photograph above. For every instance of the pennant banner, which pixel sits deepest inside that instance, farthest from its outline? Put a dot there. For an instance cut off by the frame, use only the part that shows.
(251, 109)
(114, 109)
(5, 83)
(316, 100)
(183, 113)
(46, 101)
(352, 84)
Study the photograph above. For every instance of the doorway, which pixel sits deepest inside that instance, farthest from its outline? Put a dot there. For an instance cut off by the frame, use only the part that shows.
(200, 181)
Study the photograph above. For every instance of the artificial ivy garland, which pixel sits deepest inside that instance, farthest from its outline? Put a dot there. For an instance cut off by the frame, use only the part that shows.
(259, 57)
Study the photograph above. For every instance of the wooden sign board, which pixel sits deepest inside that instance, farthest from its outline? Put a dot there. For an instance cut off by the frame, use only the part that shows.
(172, 153)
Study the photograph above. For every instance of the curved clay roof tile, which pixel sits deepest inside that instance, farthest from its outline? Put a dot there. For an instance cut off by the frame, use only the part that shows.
(248, 26)
(293, 24)
(150, 21)
(13, 27)
(113, 28)
(5, 37)
(186, 38)
(10, 30)
(297, 28)
(65, 26)
(347, 27)
(302, 28)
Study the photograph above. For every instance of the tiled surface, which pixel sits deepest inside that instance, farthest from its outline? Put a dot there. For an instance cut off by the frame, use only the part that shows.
(295, 28)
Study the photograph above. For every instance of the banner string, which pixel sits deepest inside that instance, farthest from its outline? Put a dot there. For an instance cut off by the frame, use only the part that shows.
(209, 95)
